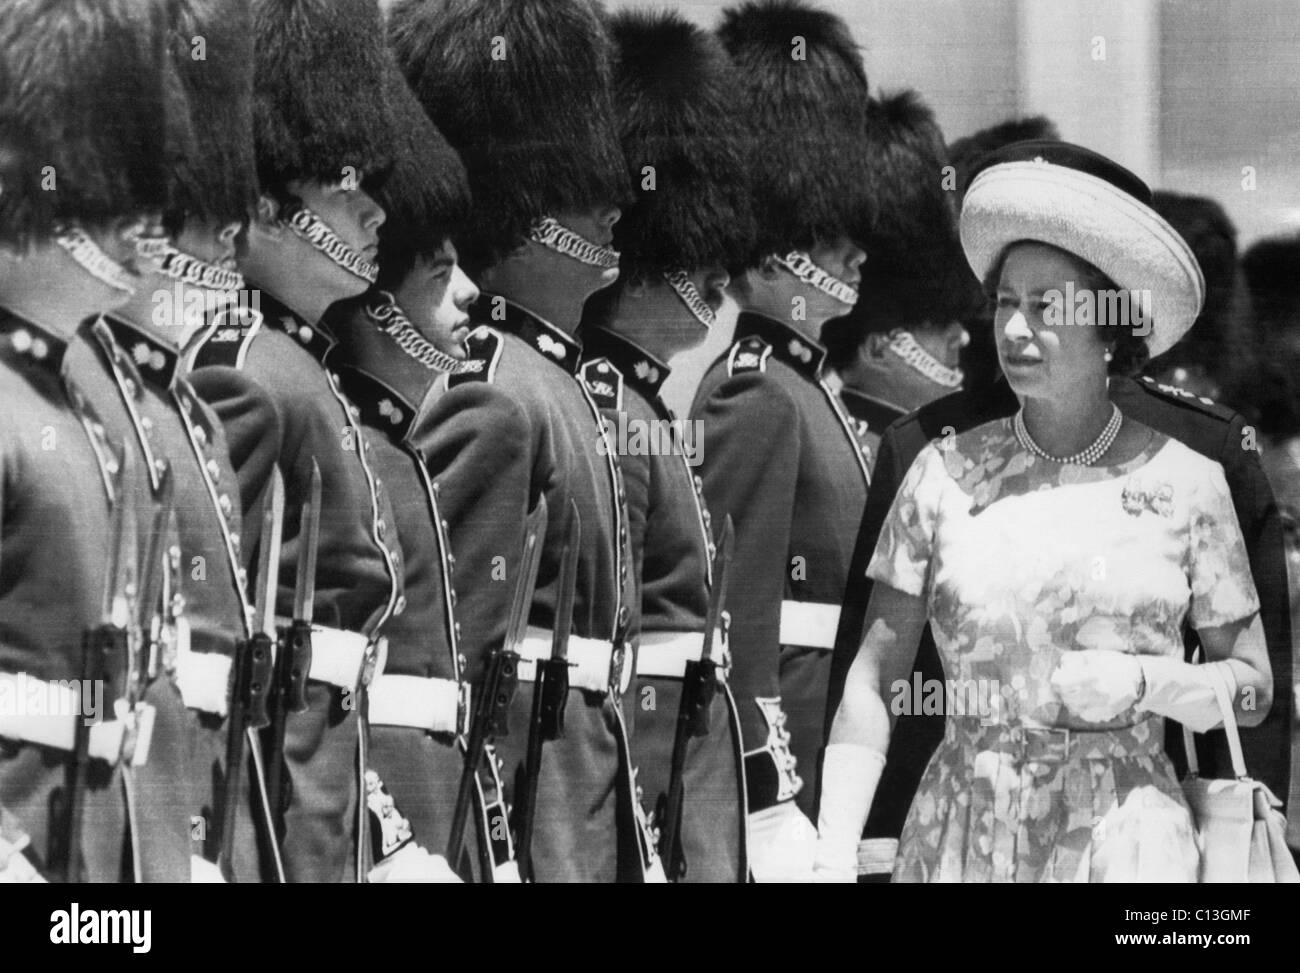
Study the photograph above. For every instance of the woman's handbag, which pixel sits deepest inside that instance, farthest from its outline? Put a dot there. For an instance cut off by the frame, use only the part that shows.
(1239, 825)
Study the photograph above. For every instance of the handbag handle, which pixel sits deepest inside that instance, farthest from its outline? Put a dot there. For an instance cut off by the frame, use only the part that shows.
(1219, 681)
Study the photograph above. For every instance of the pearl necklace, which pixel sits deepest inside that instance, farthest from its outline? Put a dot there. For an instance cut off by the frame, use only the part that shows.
(1086, 457)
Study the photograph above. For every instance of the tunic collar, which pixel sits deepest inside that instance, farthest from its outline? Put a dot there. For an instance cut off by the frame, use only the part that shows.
(545, 338)
(799, 352)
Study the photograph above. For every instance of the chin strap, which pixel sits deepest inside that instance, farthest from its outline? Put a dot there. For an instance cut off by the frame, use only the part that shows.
(902, 344)
(189, 269)
(552, 235)
(95, 261)
(802, 266)
(390, 319)
(316, 231)
(690, 296)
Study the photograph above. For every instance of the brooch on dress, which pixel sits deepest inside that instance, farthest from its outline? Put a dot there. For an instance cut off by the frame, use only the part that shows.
(1159, 500)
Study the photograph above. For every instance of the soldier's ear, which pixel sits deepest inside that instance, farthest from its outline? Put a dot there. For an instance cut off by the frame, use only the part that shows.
(873, 347)
(268, 216)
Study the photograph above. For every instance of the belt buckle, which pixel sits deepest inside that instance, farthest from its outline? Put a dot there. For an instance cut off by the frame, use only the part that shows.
(375, 658)
(617, 658)
(1046, 742)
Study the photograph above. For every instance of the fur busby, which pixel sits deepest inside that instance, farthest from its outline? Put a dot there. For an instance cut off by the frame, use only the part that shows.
(521, 89)
(804, 95)
(213, 169)
(965, 153)
(318, 109)
(426, 194)
(81, 114)
(675, 97)
(916, 271)
(1272, 269)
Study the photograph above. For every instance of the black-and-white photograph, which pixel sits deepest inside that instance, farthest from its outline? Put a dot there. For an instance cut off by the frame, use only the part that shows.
(652, 442)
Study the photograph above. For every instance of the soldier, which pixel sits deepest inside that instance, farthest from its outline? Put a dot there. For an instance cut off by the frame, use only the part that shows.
(782, 459)
(212, 183)
(675, 97)
(1211, 430)
(319, 133)
(81, 108)
(521, 89)
(900, 347)
(395, 342)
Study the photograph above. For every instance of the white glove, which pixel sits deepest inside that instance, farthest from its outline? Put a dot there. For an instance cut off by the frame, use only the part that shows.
(1183, 692)
(15, 869)
(850, 776)
(411, 863)
(1098, 684)
(203, 872)
(782, 842)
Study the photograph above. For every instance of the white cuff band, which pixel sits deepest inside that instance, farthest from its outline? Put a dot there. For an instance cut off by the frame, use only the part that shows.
(810, 624)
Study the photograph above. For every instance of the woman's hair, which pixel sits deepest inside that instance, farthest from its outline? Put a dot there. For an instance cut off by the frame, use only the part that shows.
(1129, 352)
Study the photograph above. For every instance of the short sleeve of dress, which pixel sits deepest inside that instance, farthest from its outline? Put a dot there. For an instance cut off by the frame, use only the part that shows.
(904, 550)
(1223, 590)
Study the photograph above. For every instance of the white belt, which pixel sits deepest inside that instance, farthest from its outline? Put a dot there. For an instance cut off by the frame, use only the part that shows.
(809, 623)
(422, 704)
(58, 731)
(591, 661)
(337, 656)
(665, 654)
(203, 678)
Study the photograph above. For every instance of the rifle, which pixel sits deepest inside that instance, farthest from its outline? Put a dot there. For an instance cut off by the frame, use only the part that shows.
(253, 669)
(699, 683)
(107, 640)
(293, 662)
(550, 691)
(488, 719)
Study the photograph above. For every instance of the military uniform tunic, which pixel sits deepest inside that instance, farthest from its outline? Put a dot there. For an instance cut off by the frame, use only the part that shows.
(672, 553)
(782, 460)
(497, 440)
(359, 564)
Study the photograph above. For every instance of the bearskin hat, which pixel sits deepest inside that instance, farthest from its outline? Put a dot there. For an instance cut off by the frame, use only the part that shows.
(675, 97)
(426, 193)
(521, 88)
(804, 96)
(1272, 269)
(210, 143)
(82, 132)
(318, 79)
(965, 153)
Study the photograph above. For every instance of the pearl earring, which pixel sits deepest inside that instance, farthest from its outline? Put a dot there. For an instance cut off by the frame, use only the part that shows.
(1107, 356)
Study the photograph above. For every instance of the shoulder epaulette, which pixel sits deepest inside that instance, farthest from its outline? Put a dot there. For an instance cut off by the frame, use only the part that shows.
(483, 346)
(1183, 397)
(226, 340)
(604, 383)
(749, 355)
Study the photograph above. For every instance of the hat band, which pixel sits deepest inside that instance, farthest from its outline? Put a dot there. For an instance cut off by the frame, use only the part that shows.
(95, 261)
(552, 235)
(906, 347)
(391, 320)
(803, 267)
(690, 296)
(189, 269)
(315, 231)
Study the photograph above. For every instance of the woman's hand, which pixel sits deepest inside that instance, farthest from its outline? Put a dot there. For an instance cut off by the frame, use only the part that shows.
(1098, 684)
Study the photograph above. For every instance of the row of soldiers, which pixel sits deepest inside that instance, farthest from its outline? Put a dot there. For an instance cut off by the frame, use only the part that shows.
(330, 551)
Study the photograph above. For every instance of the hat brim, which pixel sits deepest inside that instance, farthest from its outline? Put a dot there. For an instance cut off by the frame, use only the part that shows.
(1088, 217)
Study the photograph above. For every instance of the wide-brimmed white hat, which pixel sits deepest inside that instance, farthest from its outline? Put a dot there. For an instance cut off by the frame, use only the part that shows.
(1087, 205)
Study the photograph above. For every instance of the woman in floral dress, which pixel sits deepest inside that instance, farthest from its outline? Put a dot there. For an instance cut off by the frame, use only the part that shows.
(1057, 555)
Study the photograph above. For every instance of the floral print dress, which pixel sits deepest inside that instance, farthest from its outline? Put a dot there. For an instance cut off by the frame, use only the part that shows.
(1020, 560)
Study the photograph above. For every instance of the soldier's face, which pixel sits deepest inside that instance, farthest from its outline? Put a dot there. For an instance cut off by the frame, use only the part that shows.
(209, 241)
(436, 295)
(842, 258)
(666, 316)
(118, 240)
(1039, 358)
(354, 217)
